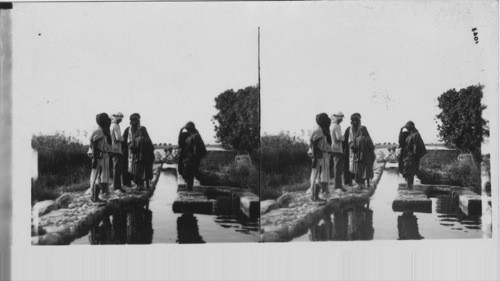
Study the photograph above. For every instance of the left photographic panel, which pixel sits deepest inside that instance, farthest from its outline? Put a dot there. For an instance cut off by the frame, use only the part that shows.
(144, 121)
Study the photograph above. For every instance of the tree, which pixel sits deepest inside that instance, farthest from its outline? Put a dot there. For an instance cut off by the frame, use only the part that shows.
(462, 125)
(237, 123)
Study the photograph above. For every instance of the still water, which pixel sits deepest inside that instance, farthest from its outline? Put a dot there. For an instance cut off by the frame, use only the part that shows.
(377, 220)
(157, 223)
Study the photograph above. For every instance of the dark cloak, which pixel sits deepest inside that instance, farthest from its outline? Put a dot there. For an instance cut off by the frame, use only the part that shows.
(411, 153)
(346, 150)
(402, 144)
(183, 135)
(144, 156)
(194, 151)
(364, 155)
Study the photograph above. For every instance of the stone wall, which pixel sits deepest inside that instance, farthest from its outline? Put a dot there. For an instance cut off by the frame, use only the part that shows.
(440, 156)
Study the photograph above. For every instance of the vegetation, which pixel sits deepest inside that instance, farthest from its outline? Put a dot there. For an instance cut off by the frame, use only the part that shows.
(237, 124)
(62, 162)
(230, 174)
(457, 173)
(462, 125)
(487, 167)
(285, 165)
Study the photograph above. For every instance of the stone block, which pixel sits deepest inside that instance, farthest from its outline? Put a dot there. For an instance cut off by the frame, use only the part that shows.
(250, 204)
(412, 201)
(194, 205)
(44, 207)
(285, 200)
(471, 205)
(64, 200)
(267, 206)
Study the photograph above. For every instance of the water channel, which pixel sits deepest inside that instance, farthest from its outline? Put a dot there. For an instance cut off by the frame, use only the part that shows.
(157, 223)
(377, 220)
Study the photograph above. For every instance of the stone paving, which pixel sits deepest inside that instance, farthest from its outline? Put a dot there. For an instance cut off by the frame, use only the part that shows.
(59, 222)
(299, 211)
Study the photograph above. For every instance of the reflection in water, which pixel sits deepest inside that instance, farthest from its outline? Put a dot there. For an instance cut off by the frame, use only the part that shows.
(131, 226)
(449, 214)
(239, 223)
(187, 230)
(355, 223)
(408, 227)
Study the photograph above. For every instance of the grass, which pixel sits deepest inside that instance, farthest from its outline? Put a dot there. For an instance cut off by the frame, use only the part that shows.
(285, 165)
(63, 166)
(457, 173)
(230, 174)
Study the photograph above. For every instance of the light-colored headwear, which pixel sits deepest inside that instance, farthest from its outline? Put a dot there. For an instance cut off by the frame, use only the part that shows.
(118, 115)
(339, 114)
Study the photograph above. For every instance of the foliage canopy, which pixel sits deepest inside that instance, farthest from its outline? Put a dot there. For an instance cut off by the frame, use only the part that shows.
(462, 125)
(237, 124)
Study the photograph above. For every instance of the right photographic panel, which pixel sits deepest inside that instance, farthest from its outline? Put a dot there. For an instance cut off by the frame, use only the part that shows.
(374, 121)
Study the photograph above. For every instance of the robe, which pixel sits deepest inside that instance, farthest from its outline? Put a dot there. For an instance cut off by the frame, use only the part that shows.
(364, 156)
(353, 134)
(132, 157)
(411, 152)
(193, 151)
(145, 157)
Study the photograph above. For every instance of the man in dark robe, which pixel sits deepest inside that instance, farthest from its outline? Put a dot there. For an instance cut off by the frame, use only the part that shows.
(346, 150)
(126, 177)
(364, 157)
(133, 133)
(412, 151)
(144, 150)
(403, 133)
(194, 150)
(183, 134)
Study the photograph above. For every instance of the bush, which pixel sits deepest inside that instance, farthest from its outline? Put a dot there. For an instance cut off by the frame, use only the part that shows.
(456, 173)
(285, 165)
(62, 161)
(232, 174)
(280, 153)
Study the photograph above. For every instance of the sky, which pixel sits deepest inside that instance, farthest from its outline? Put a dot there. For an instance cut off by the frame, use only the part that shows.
(166, 62)
(387, 60)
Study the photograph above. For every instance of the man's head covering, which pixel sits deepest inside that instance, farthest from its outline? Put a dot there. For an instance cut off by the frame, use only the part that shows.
(117, 116)
(190, 126)
(410, 125)
(135, 116)
(339, 115)
(356, 116)
(103, 120)
(323, 120)
(143, 132)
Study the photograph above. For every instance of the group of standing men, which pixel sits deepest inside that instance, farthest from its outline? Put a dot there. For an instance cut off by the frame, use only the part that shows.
(351, 155)
(122, 157)
(329, 151)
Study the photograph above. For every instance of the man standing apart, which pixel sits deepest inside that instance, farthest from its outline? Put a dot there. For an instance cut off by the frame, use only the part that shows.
(337, 151)
(413, 149)
(194, 151)
(116, 151)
